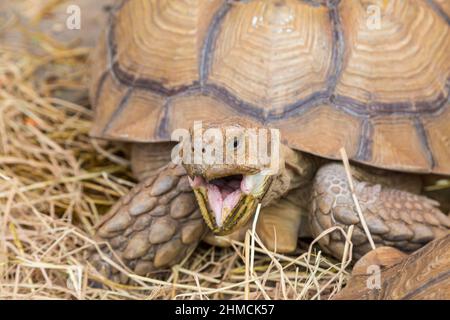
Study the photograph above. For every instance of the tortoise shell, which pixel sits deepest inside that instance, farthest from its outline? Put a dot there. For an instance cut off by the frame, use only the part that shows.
(422, 275)
(323, 72)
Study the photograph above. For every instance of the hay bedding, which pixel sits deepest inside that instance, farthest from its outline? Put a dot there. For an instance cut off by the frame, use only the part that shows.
(56, 183)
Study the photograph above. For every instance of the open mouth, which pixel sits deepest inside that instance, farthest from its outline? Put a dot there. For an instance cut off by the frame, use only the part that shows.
(228, 202)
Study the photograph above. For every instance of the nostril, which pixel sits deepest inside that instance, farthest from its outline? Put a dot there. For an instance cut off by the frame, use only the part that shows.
(203, 150)
(235, 143)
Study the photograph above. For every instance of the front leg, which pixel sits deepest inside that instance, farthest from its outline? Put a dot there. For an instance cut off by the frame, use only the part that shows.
(394, 217)
(153, 226)
(278, 226)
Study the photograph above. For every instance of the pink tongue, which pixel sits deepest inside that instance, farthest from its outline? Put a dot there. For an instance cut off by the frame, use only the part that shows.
(221, 206)
(215, 201)
(230, 201)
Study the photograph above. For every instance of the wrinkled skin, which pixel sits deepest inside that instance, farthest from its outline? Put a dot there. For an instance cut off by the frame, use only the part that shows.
(154, 226)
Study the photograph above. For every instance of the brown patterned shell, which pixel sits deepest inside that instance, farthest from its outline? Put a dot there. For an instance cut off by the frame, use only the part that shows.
(315, 69)
(423, 275)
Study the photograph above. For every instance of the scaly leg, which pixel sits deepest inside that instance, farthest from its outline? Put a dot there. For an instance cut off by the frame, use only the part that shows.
(394, 217)
(153, 226)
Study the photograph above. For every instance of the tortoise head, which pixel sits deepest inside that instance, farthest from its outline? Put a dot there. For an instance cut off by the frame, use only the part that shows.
(231, 167)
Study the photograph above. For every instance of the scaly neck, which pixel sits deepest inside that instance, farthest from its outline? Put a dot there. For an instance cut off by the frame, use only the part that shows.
(296, 170)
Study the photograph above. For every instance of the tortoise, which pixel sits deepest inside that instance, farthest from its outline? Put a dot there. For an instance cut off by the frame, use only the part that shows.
(422, 275)
(314, 70)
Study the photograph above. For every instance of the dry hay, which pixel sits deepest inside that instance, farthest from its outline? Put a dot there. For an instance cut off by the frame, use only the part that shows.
(56, 182)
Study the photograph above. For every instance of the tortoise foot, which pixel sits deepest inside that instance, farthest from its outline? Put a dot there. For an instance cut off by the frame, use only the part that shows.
(151, 228)
(394, 217)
